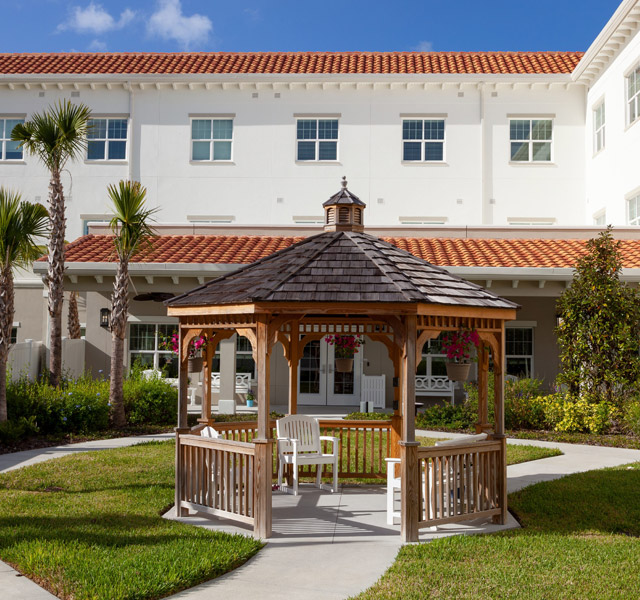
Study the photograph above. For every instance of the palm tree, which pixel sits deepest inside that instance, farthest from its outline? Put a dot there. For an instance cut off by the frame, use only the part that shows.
(131, 226)
(21, 223)
(55, 137)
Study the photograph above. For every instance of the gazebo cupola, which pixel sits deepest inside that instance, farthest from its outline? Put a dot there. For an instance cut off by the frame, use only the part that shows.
(344, 211)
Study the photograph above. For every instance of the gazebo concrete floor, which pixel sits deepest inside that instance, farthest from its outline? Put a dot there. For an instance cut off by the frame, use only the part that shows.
(333, 545)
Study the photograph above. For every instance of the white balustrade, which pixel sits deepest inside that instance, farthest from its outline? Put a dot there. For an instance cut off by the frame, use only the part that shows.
(434, 385)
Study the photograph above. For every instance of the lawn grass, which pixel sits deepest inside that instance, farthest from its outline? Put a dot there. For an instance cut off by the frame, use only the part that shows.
(515, 453)
(580, 540)
(88, 526)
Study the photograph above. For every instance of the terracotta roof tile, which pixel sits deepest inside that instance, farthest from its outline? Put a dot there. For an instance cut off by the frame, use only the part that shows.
(446, 252)
(333, 63)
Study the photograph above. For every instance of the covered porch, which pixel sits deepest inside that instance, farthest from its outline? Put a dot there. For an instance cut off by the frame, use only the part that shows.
(349, 283)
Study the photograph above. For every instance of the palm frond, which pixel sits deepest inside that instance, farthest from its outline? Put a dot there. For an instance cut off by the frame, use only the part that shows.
(131, 221)
(21, 225)
(55, 135)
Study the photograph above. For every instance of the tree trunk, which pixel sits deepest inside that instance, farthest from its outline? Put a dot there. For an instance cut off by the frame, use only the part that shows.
(73, 321)
(55, 275)
(119, 312)
(6, 323)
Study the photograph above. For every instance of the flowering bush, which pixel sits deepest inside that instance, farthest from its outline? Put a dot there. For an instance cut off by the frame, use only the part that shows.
(574, 415)
(345, 345)
(196, 345)
(457, 345)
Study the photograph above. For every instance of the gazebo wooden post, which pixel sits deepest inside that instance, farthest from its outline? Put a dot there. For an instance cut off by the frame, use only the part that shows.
(396, 419)
(498, 382)
(408, 446)
(294, 358)
(483, 392)
(205, 415)
(183, 380)
(263, 441)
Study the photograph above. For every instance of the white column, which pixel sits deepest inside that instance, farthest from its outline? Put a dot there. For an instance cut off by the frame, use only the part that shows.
(227, 401)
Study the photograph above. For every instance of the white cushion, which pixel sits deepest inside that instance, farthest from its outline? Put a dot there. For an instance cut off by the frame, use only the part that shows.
(210, 432)
(463, 440)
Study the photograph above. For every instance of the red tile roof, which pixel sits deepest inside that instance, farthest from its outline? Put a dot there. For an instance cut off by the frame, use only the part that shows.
(320, 63)
(446, 252)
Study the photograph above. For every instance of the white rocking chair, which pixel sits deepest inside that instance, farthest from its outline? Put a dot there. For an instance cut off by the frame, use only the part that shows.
(299, 444)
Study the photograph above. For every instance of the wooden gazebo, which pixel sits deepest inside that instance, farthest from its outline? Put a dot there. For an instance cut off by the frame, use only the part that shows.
(342, 281)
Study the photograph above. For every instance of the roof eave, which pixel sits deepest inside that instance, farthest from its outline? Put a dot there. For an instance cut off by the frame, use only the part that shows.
(628, 8)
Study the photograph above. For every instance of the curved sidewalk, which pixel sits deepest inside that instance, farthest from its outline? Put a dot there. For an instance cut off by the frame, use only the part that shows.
(350, 550)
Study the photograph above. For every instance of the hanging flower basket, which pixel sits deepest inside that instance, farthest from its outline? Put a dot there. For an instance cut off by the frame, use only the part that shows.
(344, 365)
(345, 346)
(458, 371)
(458, 345)
(195, 364)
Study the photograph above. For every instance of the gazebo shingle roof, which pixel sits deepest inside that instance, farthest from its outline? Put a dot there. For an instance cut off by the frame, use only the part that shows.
(341, 266)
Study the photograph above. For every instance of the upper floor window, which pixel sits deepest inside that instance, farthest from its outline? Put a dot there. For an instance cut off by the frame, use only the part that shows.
(9, 150)
(531, 140)
(107, 139)
(633, 95)
(598, 128)
(317, 139)
(600, 218)
(211, 139)
(423, 140)
(633, 210)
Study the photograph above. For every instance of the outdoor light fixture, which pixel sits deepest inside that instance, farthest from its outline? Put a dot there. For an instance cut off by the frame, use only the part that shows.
(105, 317)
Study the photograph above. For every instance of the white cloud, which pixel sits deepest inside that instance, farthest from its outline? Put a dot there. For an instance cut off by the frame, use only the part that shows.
(168, 23)
(95, 19)
(253, 14)
(97, 46)
(424, 46)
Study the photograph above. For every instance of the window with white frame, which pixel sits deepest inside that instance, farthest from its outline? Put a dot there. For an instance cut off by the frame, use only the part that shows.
(211, 139)
(244, 358)
(531, 140)
(146, 347)
(317, 139)
(433, 359)
(107, 139)
(633, 95)
(14, 335)
(9, 150)
(633, 210)
(600, 218)
(423, 140)
(598, 127)
(519, 351)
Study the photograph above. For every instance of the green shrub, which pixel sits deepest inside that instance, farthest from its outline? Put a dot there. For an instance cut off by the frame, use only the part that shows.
(631, 417)
(12, 431)
(447, 416)
(522, 406)
(78, 406)
(360, 416)
(151, 401)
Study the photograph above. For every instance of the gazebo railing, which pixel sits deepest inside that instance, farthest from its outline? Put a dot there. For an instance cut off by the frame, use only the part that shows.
(363, 445)
(216, 476)
(459, 483)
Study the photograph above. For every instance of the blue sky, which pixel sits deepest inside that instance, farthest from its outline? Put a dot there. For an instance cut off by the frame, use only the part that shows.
(269, 25)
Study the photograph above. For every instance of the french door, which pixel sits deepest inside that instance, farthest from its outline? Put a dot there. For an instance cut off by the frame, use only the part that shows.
(319, 384)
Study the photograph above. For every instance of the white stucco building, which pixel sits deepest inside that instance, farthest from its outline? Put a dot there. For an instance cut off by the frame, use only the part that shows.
(511, 157)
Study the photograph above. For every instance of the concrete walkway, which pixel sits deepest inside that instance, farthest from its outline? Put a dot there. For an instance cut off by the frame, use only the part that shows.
(324, 545)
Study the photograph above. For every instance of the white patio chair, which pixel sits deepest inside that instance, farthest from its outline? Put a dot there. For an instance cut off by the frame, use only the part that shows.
(299, 443)
(394, 481)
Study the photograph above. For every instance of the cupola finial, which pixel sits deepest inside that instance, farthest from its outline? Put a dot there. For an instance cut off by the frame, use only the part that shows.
(344, 211)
